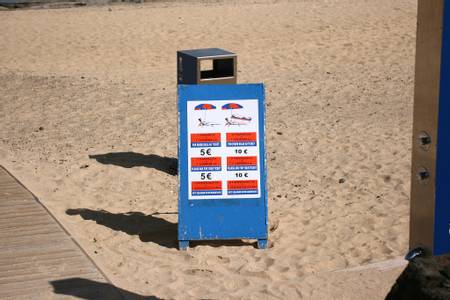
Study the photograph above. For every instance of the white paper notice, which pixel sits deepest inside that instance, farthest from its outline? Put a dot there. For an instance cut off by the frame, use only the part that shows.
(223, 149)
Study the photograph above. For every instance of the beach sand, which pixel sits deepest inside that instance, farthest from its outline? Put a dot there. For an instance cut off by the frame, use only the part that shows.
(88, 122)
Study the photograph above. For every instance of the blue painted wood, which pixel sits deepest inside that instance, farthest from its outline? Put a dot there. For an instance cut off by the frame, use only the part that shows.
(220, 218)
(442, 208)
(262, 244)
(183, 245)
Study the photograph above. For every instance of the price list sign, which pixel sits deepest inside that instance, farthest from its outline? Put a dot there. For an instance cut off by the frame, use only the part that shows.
(223, 152)
(222, 172)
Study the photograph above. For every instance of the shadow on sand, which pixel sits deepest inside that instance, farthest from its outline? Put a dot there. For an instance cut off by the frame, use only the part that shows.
(132, 159)
(148, 227)
(89, 289)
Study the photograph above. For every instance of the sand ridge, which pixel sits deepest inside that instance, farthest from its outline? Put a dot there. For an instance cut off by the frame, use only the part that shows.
(88, 123)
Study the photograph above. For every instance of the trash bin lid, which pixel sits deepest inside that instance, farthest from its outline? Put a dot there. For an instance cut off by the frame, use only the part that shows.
(207, 52)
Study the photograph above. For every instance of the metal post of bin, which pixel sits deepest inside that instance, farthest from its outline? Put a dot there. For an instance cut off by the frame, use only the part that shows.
(430, 181)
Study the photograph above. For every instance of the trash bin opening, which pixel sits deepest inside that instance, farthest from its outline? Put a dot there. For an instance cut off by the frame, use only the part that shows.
(216, 68)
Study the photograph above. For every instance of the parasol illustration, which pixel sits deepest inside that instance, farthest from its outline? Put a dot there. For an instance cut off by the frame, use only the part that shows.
(205, 107)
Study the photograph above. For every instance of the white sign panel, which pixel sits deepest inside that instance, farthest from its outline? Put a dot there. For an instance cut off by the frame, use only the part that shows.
(223, 149)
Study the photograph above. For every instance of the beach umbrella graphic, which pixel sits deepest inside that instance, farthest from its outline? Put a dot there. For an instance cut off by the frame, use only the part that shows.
(205, 107)
(231, 106)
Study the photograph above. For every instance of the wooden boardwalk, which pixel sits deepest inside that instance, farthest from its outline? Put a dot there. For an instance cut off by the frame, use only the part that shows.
(38, 258)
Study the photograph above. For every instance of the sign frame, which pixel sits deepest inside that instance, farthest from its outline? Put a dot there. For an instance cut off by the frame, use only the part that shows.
(430, 178)
(220, 219)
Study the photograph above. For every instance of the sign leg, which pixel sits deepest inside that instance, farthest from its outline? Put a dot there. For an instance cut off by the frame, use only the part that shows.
(262, 243)
(183, 245)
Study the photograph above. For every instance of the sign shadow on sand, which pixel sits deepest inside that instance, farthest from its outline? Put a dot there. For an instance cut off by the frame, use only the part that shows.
(132, 159)
(90, 289)
(149, 228)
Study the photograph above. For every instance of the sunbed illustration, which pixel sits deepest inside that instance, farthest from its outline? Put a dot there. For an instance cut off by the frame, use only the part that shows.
(241, 118)
(202, 123)
(229, 122)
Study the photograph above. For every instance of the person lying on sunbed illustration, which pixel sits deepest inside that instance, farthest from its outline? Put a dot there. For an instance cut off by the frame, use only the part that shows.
(202, 123)
(229, 122)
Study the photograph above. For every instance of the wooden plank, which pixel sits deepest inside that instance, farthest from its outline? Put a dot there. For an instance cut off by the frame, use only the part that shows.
(74, 258)
(17, 244)
(38, 247)
(15, 197)
(33, 242)
(48, 273)
(17, 248)
(25, 221)
(10, 183)
(25, 258)
(9, 189)
(20, 202)
(14, 233)
(38, 259)
(26, 217)
(22, 210)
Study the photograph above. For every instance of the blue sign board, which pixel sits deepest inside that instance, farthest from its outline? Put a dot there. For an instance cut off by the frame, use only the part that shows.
(222, 165)
(442, 208)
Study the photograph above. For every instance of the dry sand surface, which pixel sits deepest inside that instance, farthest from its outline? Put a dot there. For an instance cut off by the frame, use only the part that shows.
(88, 123)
